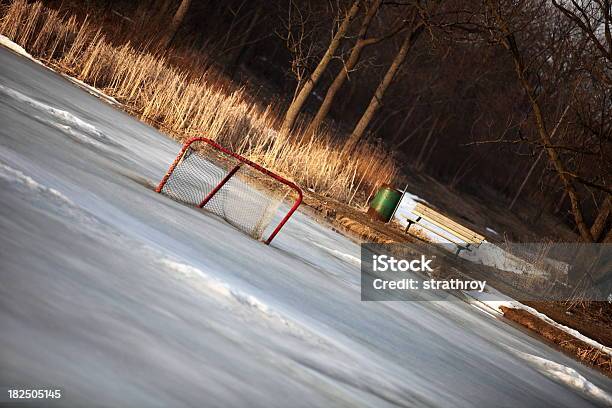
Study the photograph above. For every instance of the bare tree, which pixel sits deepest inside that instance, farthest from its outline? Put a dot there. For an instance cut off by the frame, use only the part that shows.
(594, 19)
(599, 225)
(416, 28)
(537, 160)
(306, 88)
(347, 67)
(246, 39)
(176, 22)
(534, 92)
(298, 31)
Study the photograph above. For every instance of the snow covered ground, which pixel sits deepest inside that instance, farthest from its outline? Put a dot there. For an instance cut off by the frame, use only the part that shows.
(123, 297)
(493, 300)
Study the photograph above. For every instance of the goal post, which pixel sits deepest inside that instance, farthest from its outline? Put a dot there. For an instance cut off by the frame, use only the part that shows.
(244, 193)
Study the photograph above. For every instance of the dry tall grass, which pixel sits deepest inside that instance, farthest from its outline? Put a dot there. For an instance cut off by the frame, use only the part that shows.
(192, 101)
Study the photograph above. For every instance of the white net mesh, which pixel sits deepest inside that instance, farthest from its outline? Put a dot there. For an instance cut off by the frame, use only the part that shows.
(240, 201)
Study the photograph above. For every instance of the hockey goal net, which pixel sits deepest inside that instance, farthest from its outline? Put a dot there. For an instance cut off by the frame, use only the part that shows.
(245, 194)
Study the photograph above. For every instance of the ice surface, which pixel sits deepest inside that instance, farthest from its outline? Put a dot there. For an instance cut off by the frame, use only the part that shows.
(124, 297)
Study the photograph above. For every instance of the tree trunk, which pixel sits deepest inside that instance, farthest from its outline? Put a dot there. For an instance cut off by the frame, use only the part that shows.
(535, 163)
(608, 238)
(548, 186)
(513, 176)
(376, 100)
(560, 203)
(599, 225)
(463, 170)
(400, 130)
(520, 189)
(304, 92)
(245, 40)
(509, 42)
(419, 160)
(163, 6)
(333, 89)
(430, 151)
(567, 181)
(176, 22)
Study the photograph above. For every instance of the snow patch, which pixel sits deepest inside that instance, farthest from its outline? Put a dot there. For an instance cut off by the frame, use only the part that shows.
(339, 254)
(565, 376)
(12, 175)
(65, 121)
(13, 46)
(50, 200)
(492, 231)
(92, 90)
(211, 286)
(407, 204)
(492, 255)
(217, 286)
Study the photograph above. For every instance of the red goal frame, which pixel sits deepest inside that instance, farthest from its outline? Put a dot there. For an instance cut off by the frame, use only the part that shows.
(230, 174)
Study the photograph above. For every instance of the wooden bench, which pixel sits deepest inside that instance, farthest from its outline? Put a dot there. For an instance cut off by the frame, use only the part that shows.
(464, 236)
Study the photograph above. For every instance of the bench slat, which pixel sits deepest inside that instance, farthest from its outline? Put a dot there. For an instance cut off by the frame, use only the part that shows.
(466, 239)
(447, 221)
(447, 224)
(454, 241)
(462, 234)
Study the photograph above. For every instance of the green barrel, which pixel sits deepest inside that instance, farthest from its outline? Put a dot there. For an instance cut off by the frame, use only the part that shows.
(384, 203)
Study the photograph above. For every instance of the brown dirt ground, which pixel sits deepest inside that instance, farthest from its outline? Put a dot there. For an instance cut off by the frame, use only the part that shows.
(569, 344)
(350, 220)
(594, 319)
